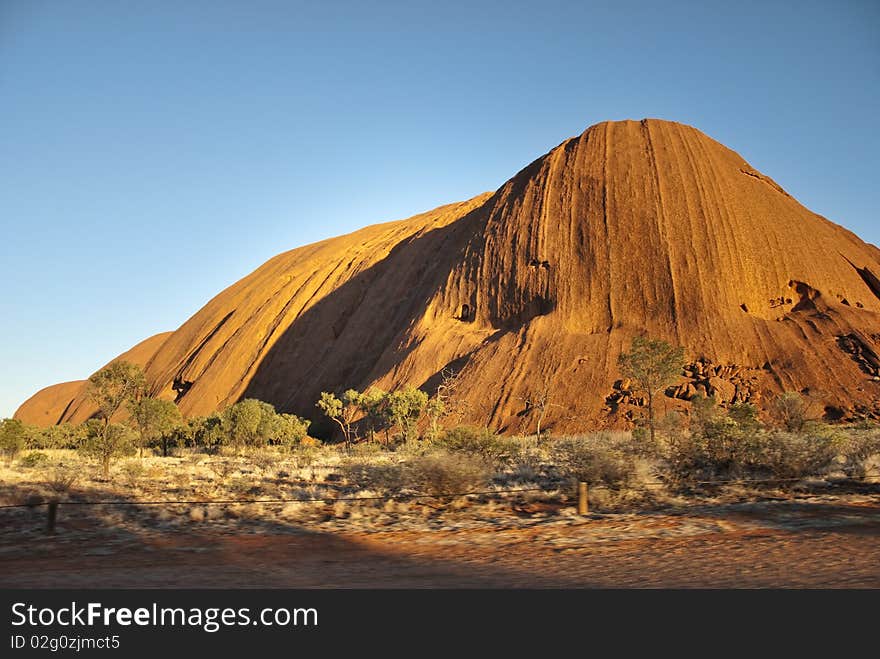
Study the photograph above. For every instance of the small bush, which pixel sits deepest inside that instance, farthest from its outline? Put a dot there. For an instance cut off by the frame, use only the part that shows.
(369, 475)
(727, 450)
(222, 469)
(365, 449)
(12, 438)
(798, 455)
(602, 458)
(107, 443)
(65, 435)
(264, 460)
(34, 459)
(524, 468)
(717, 450)
(860, 449)
(243, 486)
(790, 411)
(62, 479)
(470, 440)
(134, 471)
(442, 473)
(304, 455)
(745, 415)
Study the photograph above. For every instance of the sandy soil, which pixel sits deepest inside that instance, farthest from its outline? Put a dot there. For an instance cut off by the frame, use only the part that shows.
(815, 542)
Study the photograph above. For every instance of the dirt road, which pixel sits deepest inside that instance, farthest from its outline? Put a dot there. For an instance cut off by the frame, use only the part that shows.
(753, 545)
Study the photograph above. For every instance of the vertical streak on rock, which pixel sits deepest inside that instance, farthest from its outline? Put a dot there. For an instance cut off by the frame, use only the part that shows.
(663, 227)
(608, 243)
(709, 213)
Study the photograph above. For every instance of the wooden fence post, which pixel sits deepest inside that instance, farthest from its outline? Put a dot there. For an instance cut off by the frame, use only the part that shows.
(53, 513)
(583, 504)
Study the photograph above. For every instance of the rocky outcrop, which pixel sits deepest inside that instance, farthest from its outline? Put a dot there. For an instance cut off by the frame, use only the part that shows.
(633, 227)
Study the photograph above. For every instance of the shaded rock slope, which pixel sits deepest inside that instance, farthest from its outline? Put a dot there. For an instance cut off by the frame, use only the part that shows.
(634, 227)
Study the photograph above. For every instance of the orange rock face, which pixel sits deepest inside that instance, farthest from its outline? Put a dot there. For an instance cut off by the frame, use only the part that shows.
(631, 228)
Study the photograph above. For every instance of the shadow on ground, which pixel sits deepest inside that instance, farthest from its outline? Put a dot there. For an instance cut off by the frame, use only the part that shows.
(748, 545)
(129, 546)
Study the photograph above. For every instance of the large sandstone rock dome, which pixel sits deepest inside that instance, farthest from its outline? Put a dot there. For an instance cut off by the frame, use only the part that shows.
(634, 227)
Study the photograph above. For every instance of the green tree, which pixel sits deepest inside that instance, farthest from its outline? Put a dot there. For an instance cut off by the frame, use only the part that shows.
(745, 415)
(64, 435)
(372, 406)
(204, 431)
(155, 421)
(342, 411)
(114, 386)
(289, 430)
(12, 437)
(790, 410)
(110, 389)
(538, 403)
(106, 442)
(247, 423)
(404, 409)
(704, 410)
(435, 408)
(652, 364)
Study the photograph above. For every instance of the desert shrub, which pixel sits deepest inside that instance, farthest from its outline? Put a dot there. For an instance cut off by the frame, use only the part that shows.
(62, 479)
(865, 423)
(247, 423)
(524, 469)
(718, 449)
(704, 410)
(264, 460)
(671, 422)
(309, 442)
(12, 438)
(435, 408)
(106, 442)
(603, 458)
(206, 432)
(289, 430)
(365, 449)
(404, 408)
(371, 475)
(642, 444)
(156, 422)
(745, 415)
(304, 455)
(519, 459)
(470, 440)
(34, 459)
(798, 455)
(860, 448)
(442, 473)
(65, 435)
(133, 470)
(726, 450)
(222, 469)
(789, 411)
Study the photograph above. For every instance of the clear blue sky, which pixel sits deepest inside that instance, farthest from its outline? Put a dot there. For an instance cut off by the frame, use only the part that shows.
(153, 152)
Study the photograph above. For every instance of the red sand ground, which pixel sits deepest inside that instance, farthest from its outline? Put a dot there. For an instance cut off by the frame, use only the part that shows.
(815, 543)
